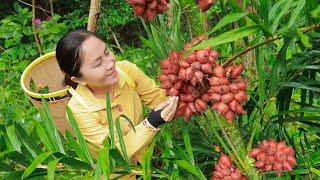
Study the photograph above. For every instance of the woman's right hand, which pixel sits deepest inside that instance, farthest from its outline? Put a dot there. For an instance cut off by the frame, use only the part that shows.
(168, 107)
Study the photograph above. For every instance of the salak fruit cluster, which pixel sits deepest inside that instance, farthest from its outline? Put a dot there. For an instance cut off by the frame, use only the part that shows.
(201, 83)
(225, 169)
(148, 9)
(274, 156)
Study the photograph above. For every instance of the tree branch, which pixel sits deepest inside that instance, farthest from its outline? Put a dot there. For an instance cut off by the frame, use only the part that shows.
(35, 6)
(93, 15)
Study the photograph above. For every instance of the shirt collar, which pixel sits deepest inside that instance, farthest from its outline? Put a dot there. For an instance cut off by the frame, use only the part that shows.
(96, 104)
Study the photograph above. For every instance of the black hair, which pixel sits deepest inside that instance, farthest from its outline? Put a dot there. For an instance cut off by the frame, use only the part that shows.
(68, 53)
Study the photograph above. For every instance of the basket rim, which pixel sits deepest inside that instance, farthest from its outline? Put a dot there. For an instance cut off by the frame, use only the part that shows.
(29, 68)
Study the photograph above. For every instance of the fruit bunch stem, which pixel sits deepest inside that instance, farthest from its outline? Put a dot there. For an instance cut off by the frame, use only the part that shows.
(232, 141)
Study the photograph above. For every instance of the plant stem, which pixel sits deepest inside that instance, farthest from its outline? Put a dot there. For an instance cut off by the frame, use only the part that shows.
(51, 8)
(230, 143)
(255, 127)
(2, 49)
(34, 29)
(217, 135)
(230, 60)
(303, 29)
(116, 40)
(233, 137)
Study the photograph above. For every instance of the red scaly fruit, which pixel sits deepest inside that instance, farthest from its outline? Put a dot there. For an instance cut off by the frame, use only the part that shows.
(268, 167)
(193, 81)
(184, 64)
(242, 85)
(214, 81)
(254, 152)
(182, 74)
(189, 73)
(225, 169)
(162, 77)
(236, 70)
(192, 107)
(189, 98)
(259, 164)
(227, 97)
(178, 85)
(196, 66)
(166, 85)
(234, 88)
(152, 5)
(174, 92)
(233, 105)
(223, 81)
(214, 54)
(138, 10)
(291, 160)
(240, 96)
(212, 57)
(187, 114)
(204, 5)
(261, 156)
(206, 68)
(280, 156)
(224, 89)
(205, 97)
(229, 116)
(175, 55)
(137, 2)
(191, 58)
(201, 104)
(198, 108)
(270, 160)
(272, 147)
(202, 56)
(222, 108)
(215, 97)
(281, 145)
(240, 110)
(149, 14)
(172, 78)
(273, 156)
(165, 63)
(218, 71)
(182, 105)
(198, 75)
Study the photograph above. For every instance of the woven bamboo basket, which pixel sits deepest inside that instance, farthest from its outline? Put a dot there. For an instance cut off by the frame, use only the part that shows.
(45, 72)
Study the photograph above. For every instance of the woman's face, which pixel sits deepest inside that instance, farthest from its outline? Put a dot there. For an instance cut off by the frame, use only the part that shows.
(98, 64)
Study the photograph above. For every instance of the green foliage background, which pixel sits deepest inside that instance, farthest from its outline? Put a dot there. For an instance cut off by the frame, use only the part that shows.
(282, 70)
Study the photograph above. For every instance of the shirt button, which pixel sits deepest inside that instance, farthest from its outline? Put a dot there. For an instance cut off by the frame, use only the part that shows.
(120, 108)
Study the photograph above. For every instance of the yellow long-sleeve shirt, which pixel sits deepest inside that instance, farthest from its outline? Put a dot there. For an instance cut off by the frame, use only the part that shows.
(92, 120)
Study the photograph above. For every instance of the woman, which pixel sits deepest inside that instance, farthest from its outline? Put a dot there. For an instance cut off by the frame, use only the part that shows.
(90, 67)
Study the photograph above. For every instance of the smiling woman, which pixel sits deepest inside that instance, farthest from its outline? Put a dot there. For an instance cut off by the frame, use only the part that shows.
(90, 67)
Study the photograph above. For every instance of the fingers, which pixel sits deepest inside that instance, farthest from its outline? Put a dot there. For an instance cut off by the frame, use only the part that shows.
(173, 111)
(162, 104)
(167, 111)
